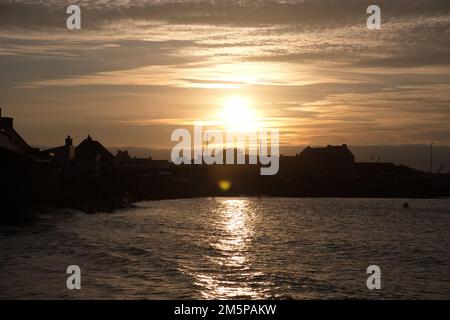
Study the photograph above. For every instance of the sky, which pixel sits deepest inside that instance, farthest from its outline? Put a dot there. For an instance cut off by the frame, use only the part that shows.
(137, 70)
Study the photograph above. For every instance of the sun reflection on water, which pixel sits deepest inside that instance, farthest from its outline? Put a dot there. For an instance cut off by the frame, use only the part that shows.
(230, 273)
(237, 229)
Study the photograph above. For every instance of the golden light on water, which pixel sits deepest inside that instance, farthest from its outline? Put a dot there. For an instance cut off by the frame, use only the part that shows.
(234, 226)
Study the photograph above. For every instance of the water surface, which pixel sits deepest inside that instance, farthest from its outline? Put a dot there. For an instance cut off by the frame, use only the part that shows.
(223, 248)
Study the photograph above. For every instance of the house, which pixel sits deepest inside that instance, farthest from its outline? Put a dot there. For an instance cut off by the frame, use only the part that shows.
(327, 159)
(25, 178)
(92, 158)
(62, 158)
(11, 141)
(15, 152)
(330, 159)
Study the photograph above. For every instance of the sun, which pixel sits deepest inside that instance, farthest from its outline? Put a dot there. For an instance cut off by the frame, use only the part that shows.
(238, 115)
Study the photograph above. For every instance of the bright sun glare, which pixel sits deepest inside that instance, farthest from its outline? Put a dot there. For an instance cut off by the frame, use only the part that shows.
(237, 115)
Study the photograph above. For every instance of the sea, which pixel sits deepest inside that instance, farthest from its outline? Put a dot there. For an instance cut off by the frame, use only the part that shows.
(234, 248)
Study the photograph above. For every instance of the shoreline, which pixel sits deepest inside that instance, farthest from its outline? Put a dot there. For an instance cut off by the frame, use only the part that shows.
(121, 191)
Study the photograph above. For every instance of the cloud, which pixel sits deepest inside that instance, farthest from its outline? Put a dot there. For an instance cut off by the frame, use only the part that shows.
(243, 12)
(311, 67)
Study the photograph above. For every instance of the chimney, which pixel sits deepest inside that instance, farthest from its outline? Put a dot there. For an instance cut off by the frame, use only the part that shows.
(6, 122)
(69, 141)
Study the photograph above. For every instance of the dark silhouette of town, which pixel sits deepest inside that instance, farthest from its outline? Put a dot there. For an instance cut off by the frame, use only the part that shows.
(90, 178)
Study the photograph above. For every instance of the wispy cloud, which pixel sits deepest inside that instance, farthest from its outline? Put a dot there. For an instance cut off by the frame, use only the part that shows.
(311, 67)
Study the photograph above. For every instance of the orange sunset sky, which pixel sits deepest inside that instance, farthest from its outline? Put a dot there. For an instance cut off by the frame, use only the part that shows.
(139, 69)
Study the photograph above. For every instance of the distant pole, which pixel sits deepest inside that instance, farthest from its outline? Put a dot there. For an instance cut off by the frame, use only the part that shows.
(431, 157)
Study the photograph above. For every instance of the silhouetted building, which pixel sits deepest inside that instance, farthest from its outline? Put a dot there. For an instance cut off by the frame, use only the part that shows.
(15, 152)
(92, 158)
(62, 158)
(25, 178)
(10, 140)
(330, 159)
